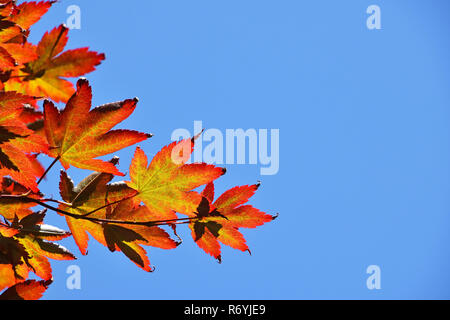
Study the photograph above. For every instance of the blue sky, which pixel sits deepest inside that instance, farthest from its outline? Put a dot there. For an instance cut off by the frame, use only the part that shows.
(364, 141)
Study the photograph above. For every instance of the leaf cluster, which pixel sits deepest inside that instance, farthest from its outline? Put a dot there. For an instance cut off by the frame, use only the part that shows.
(125, 216)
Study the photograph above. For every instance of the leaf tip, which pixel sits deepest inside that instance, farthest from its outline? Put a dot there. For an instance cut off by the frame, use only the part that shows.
(47, 283)
(114, 160)
(197, 136)
(82, 81)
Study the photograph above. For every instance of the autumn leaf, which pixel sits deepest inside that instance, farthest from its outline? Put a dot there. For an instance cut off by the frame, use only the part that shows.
(37, 248)
(23, 248)
(13, 268)
(164, 185)
(6, 7)
(33, 225)
(93, 193)
(219, 221)
(10, 32)
(17, 54)
(128, 239)
(28, 13)
(14, 24)
(6, 59)
(8, 232)
(125, 217)
(27, 290)
(31, 116)
(17, 141)
(11, 207)
(77, 135)
(44, 75)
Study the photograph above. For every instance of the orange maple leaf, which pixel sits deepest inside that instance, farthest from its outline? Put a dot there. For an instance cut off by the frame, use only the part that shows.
(11, 208)
(25, 247)
(94, 192)
(17, 141)
(44, 75)
(27, 290)
(165, 183)
(220, 221)
(76, 135)
(14, 25)
(28, 13)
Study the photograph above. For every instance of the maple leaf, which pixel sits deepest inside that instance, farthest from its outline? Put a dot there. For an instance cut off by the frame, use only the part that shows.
(114, 201)
(27, 290)
(6, 7)
(6, 60)
(12, 105)
(37, 248)
(77, 135)
(124, 216)
(30, 116)
(24, 247)
(13, 268)
(220, 221)
(91, 193)
(7, 232)
(28, 13)
(13, 47)
(44, 75)
(164, 185)
(15, 54)
(129, 239)
(11, 207)
(17, 141)
(10, 32)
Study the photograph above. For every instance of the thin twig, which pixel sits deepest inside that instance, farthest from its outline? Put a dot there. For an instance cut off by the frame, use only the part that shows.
(57, 201)
(48, 169)
(100, 220)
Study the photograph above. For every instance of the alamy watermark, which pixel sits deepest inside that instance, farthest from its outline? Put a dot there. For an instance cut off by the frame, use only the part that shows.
(73, 281)
(374, 20)
(74, 19)
(374, 280)
(236, 146)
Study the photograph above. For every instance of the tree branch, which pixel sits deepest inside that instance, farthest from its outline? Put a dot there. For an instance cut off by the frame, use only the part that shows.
(48, 169)
(100, 220)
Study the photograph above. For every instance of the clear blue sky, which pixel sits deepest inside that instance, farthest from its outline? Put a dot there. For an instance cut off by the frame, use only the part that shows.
(364, 141)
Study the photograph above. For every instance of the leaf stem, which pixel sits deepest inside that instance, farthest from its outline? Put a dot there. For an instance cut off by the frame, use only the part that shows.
(48, 169)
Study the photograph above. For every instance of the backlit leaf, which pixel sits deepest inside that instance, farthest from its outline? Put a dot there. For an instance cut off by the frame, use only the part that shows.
(165, 184)
(77, 135)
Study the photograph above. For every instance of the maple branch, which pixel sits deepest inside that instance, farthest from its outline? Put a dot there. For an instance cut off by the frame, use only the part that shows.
(101, 220)
(48, 169)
